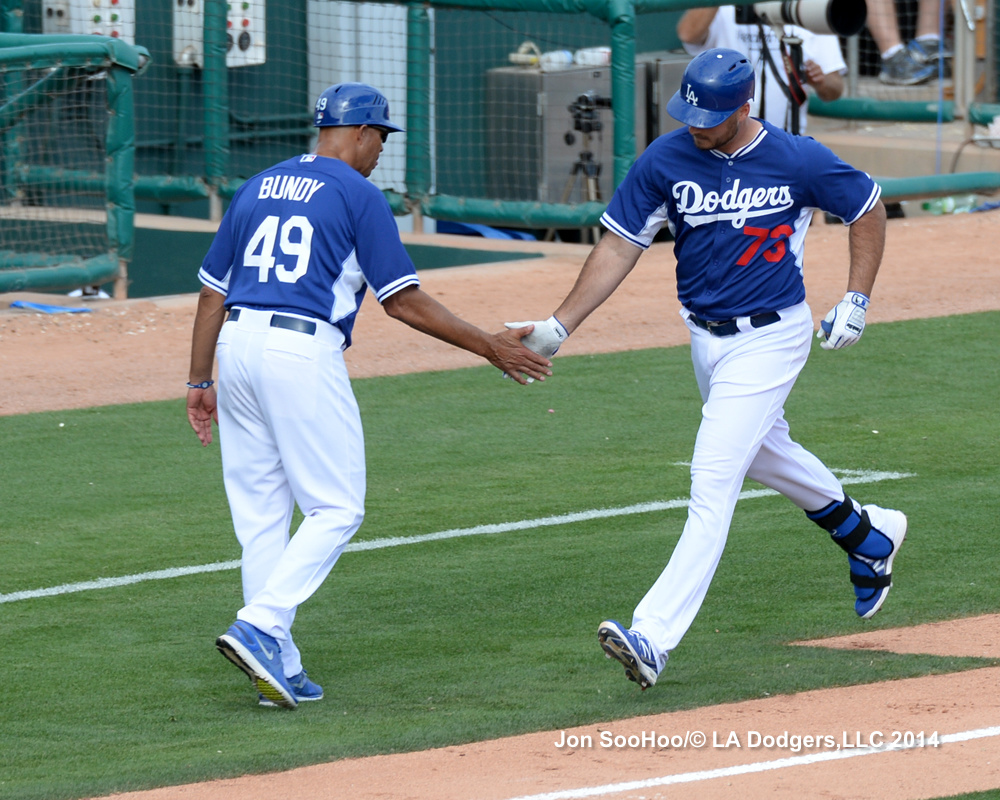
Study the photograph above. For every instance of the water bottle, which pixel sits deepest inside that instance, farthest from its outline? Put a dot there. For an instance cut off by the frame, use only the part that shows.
(939, 205)
(593, 56)
(556, 59)
(949, 205)
(965, 202)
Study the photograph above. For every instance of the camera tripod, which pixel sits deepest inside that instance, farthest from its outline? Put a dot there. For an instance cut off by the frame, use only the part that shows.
(589, 171)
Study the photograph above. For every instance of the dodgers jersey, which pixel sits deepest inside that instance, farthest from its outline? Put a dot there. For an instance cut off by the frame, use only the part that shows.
(739, 220)
(307, 236)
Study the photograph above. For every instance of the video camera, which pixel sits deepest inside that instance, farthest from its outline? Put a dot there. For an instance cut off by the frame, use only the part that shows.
(839, 17)
(586, 114)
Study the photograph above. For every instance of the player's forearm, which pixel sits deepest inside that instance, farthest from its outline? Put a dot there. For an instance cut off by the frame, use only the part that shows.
(207, 324)
(693, 26)
(867, 243)
(611, 260)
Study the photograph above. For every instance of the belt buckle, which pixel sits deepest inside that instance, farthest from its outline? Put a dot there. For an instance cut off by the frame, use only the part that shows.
(711, 324)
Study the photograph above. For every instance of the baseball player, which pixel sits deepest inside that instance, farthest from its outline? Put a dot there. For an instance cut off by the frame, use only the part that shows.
(738, 195)
(290, 263)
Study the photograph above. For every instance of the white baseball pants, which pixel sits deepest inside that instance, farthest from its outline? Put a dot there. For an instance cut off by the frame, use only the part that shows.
(290, 433)
(744, 380)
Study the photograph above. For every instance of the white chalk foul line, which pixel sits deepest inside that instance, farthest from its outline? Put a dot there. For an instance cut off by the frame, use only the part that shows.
(125, 580)
(849, 476)
(748, 769)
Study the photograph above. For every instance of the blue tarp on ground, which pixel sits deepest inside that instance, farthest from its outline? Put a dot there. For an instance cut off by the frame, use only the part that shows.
(46, 309)
(473, 229)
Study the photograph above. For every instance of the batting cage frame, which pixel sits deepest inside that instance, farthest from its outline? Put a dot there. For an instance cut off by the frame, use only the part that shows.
(35, 71)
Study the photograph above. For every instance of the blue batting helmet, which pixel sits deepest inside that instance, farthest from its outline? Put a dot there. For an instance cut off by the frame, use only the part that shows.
(353, 104)
(715, 85)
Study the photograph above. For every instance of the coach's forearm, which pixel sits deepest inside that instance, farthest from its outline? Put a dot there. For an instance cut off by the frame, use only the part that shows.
(423, 313)
(867, 243)
(207, 324)
(503, 350)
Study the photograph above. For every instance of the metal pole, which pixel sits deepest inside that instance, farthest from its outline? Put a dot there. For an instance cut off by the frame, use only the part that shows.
(853, 71)
(120, 171)
(215, 88)
(418, 100)
(11, 21)
(621, 17)
(964, 62)
(992, 45)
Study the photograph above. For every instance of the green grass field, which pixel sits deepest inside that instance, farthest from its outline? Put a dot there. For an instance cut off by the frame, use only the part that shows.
(481, 636)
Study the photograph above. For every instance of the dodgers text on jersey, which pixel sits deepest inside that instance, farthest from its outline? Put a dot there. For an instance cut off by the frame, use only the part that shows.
(735, 205)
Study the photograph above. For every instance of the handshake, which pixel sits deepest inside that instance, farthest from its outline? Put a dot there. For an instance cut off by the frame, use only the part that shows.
(545, 339)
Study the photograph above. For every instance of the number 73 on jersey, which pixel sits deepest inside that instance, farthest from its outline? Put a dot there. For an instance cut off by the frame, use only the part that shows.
(761, 237)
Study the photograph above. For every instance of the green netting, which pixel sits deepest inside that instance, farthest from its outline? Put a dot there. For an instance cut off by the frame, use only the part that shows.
(496, 137)
(210, 112)
(42, 203)
(496, 129)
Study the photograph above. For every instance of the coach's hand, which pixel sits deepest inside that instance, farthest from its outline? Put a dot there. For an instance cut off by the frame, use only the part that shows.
(845, 323)
(517, 361)
(546, 338)
(202, 410)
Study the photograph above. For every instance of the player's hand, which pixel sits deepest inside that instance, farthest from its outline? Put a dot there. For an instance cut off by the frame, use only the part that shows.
(202, 408)
(845, 323)
(546, 337)
(515, 360)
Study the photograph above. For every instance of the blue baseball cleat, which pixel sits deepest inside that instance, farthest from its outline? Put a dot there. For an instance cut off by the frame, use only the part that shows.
(259, 656)
(632, 650)
(872, 577)
(305, 690)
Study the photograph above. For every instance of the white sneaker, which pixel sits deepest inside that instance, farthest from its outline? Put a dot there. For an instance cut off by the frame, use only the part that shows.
(872, 577)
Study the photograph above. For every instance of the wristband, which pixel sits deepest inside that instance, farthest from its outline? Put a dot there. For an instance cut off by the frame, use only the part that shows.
(202, 385)
(858, 299)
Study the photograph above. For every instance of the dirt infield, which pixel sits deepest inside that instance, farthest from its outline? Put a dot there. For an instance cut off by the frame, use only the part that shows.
(136, 351)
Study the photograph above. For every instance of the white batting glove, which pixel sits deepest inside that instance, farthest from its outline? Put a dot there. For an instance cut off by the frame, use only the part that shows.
(845, 323)
(545, 339)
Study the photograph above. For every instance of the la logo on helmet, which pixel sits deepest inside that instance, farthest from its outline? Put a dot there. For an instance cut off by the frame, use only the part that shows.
(690, 96)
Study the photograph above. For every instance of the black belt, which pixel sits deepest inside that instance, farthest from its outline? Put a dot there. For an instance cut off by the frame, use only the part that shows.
(284, 321)
(728, 327)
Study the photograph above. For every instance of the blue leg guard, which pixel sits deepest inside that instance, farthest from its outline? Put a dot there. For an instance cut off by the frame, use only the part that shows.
(868, 551)
(849, 526)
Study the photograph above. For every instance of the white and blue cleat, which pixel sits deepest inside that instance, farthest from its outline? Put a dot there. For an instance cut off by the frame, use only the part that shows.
(872, 577)
(632, 650)
(304, 689)
(259, 656)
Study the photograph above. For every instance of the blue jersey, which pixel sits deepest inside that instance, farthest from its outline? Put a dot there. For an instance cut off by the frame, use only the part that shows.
(739, 220)
(308, 236)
